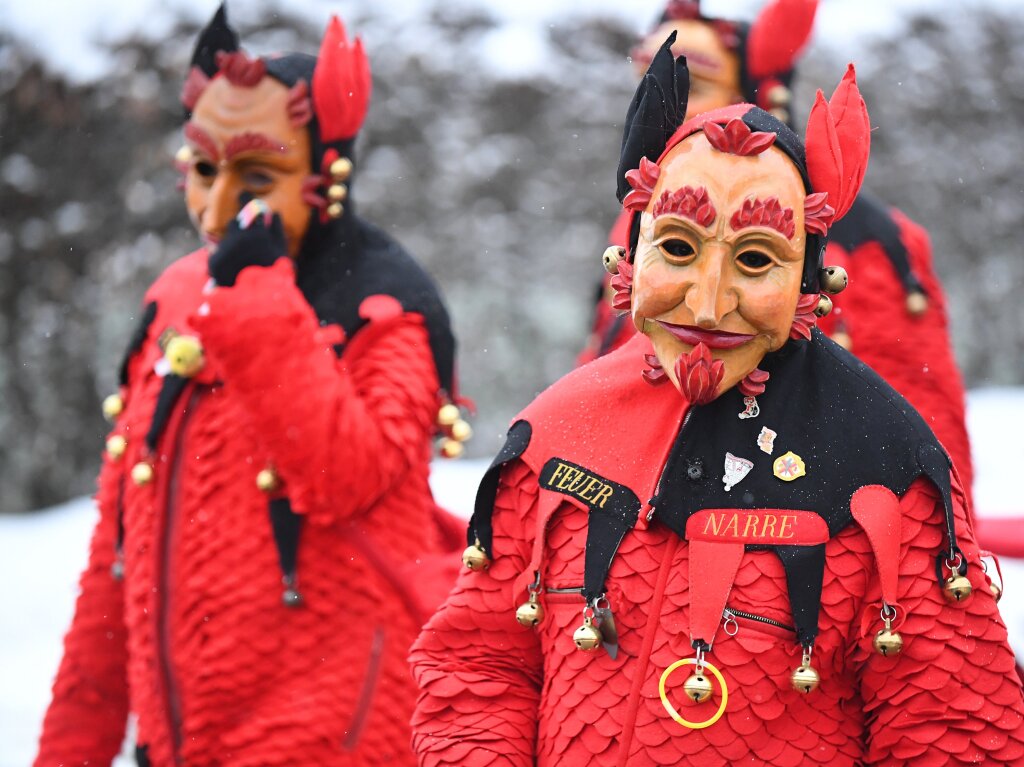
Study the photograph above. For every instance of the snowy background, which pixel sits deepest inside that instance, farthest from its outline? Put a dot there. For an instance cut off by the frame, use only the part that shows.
(489, 153)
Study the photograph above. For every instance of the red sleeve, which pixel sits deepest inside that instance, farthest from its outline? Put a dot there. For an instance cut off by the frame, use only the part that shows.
(85, 722)
(478, 670)
(951, 697)
(340, 432)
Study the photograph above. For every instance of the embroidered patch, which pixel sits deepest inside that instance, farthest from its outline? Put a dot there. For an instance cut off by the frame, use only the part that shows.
(736, 468)
(590, 488)
(766, 440)
(758, 526)
(751, 408)
(789, 467)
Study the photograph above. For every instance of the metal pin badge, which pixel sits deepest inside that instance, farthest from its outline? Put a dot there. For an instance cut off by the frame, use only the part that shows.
(736, 469)
(789, 467)
(766, 440)
(751, 408)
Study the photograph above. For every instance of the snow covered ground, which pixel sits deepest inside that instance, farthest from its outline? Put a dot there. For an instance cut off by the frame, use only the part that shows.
(41, 555)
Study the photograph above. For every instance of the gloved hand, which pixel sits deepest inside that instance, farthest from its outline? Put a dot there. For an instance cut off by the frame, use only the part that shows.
(254, 238)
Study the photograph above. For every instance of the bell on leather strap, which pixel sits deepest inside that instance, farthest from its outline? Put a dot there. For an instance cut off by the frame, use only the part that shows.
(957, 589)
(113, 406)
(290, 597)
(888, 642)
(185, 356)
(587, 637)
(698, 687)
(475, 558)
(805, 678)
(530, 612)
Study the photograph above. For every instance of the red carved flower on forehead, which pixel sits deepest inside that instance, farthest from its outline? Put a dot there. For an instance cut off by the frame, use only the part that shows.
(805, 318)
(193, 88)
(768, 213)
(642, 180)
(699, 374)
(737, 138)
(818, 214)
(687, 202)
(239, 69)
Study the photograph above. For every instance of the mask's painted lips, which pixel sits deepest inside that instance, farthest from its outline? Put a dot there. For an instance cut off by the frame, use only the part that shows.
(713, 339)
(211, 240)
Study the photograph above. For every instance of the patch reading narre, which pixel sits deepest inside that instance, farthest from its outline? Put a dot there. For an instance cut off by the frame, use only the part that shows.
(590, 488)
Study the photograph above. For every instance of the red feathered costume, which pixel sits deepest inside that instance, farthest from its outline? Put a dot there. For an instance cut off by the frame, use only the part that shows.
(887, 256)
(297, 450)
(800, 538)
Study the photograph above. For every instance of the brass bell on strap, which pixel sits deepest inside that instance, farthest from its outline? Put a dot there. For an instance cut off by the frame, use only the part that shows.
(833, 279)
(337, 192)
(824, 307)
(475, 558)
(183, 156)
(917, 303)
(448, 414)
(290, 597)
(888, 642)
(698, 687)
(267, 480)
(805, 678)
(588, 636)
(530, 612)
(461, 431)
(185, 356)
(452, 448)
(611, 257)
(341, 169)
(116, 446)
(142, 473)
(335, 210)
(957, 589)
(113, 406)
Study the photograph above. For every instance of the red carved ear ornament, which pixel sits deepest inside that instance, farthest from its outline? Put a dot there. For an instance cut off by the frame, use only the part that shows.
(642, 180)
(655, 374)
(687, 202)
(341, 84)
(699, 374)
(754, 383)
(193, 88)
(737, 138)
(239, 69)
(778, 35)
(622, 284)
(818, 214)
(838, 144)
(804, 319)
(300, 108)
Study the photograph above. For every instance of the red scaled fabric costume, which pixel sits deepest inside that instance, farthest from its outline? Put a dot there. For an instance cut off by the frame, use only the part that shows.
(894, 315)
(783, 523)
(268, 545)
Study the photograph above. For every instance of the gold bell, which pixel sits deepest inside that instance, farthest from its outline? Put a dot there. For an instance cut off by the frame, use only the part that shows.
(917, 303)
(183, 155)
(475, 558)
(335, 209)
(337, 192)
(530, 612)
(888, 642)
(779, 95)
(996, 590)
(698, 687)
(185, 356)
(611, 257)
(461, 430)
(833, 279)
(588, 636)
(805, 678)
(842, 338)
(448, 414)
(452, 448)
(116, 446)
(824, 306)
(341, 169)
(957, 589)
(142, 473)
(267, 480)
(113, 406)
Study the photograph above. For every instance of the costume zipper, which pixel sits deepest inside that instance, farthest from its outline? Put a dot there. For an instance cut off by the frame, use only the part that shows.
(730, 615)
(355, 729)
(164, 622)
(654, 507)
(566, 590)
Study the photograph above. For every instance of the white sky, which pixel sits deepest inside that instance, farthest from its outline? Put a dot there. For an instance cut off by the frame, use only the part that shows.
(68, 30)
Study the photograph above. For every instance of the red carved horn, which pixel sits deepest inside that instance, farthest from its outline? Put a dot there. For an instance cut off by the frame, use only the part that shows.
(778, 35)
(341, 84)
(838, 143)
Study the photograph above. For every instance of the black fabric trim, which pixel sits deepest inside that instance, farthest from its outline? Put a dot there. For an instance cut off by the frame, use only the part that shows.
(480, 528)
(216, 36)
(142, 756)
(170, 392)
(138, 338)
(614, 509)
(287, 528)
(870, 220)
(805, 571)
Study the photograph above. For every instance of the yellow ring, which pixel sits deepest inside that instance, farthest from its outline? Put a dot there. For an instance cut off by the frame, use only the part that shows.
(671, 709)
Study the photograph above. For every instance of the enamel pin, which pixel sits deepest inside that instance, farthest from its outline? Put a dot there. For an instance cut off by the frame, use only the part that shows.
(752, 409)
(766, 440)
(736, 468)
(789, 467)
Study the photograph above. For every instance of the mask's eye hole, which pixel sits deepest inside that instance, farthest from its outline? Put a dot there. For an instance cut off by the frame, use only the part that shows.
(677, 248)
(257, 179)
(206, 169)
(754, 259)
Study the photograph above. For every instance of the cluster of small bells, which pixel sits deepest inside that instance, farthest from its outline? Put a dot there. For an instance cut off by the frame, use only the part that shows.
(337, 191)
(454, 431)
